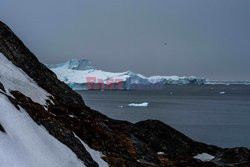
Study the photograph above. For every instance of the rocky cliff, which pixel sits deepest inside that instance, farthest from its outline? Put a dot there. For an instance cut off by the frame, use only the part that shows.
(122, 144)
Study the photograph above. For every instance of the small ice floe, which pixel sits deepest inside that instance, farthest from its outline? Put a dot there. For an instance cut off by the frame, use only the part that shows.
(145, 104)
(121, 106)
(222, 93)
(204, 157)
(160, 153)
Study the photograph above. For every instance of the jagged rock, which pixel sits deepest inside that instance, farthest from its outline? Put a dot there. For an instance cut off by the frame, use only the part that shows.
(18, 54)
(233, 157)
(1, 128)
(2, 87)
(165, 139)
(54, 126)
(123, 144)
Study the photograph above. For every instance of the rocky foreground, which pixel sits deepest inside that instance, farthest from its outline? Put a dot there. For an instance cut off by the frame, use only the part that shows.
(148, 143)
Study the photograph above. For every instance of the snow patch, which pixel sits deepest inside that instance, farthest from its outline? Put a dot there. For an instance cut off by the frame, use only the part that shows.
(145, 104)
(204, 157)
(15, 79)
(25, 144)
(96, 155)
(160, 153)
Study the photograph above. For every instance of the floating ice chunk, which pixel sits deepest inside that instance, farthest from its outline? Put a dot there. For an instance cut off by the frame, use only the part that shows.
(145, 104)
(204, 157)
(222, 93)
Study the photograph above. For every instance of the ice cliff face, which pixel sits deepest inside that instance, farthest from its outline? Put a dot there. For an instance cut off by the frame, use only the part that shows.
(44, 123)
(73, 64)
(75, 73)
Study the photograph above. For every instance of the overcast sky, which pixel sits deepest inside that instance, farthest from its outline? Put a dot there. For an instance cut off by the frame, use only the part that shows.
(208, 38)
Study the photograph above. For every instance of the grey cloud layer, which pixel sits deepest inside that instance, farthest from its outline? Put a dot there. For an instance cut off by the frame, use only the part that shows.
(208, 38)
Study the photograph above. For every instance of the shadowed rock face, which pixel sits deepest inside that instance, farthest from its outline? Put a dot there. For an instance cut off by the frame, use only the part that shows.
(2, 87)
(1, 128)
(233, 157)
(165, 139)
(18, 54)
(123, 144)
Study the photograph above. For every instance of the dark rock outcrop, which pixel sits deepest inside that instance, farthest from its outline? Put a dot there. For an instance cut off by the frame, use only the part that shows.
(165, 139)
(233, 157)
(1, 128)
(18, 54)
(2, 87)
(122, 143)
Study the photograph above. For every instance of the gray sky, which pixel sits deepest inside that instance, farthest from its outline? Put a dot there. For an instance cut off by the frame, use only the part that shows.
(209, 38)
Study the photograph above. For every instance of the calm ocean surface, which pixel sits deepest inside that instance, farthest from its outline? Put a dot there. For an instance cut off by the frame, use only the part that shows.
(214, 114)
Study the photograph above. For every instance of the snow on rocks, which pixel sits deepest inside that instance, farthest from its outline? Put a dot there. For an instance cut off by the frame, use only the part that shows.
(160, 153)
(15, 79)
(204, 157)
(96, 155)
(25, 144)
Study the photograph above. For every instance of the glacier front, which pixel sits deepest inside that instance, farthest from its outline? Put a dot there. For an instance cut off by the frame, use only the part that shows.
(82, 75)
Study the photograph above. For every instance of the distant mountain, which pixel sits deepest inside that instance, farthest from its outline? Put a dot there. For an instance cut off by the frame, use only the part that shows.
(75, 73)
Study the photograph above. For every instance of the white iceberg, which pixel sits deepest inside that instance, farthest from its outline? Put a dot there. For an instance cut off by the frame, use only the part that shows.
(76, 73)
(221, 82)
(145, 104)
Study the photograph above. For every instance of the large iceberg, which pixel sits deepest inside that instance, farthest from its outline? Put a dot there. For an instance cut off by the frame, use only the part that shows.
(73, 64)
(82, 75)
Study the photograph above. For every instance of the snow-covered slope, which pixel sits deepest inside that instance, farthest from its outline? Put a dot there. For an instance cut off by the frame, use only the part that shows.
(76, 73)
(13, 79)
(25, 144)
